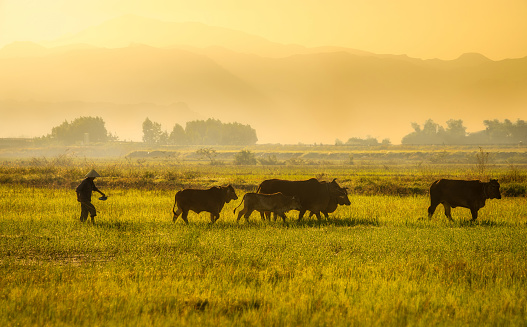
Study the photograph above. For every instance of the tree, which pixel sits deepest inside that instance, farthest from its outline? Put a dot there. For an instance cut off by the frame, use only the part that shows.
(430, 133)
(178, 136)
(369, 141)
(455, 133)
(152, 133)
(76, 131)
(208, 153)
(214, 132)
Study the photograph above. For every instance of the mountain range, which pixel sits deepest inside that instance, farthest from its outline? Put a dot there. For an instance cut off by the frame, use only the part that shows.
(131, 68)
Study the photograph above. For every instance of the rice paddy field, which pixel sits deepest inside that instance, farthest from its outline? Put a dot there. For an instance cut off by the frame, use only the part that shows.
(379, 261)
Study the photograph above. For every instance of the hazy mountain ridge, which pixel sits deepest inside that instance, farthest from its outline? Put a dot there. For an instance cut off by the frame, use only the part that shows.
(305, 95)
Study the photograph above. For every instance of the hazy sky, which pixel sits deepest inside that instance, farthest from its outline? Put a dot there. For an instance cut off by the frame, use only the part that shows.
(419, 28)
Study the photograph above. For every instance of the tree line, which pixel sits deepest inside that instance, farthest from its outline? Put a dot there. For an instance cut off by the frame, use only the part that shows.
(454, 133)
(214, 132)
(198, 132)
(495, 132)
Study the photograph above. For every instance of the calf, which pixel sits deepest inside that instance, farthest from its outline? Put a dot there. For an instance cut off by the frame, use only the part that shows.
(276, 202)
(459, 193)
(211, 200)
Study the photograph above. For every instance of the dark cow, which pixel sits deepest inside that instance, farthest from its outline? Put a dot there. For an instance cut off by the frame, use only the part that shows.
(211, 200)
(277, 203)
(459, 193)
(313, 195)
(334, 202)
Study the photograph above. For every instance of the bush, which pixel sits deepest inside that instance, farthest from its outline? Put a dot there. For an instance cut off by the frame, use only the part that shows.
(514, 190)
(269, 161)
(244, 157)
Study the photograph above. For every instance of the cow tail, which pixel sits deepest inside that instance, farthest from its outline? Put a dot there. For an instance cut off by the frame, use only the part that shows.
(234, 211)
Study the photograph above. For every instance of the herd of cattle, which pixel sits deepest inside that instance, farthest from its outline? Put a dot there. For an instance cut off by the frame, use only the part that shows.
(280, 196)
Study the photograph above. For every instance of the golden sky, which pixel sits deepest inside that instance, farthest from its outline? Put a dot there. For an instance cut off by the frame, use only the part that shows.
(419, 28)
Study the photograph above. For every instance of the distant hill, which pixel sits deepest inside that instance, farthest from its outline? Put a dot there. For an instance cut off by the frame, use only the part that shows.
(287, 93)
(130, 30)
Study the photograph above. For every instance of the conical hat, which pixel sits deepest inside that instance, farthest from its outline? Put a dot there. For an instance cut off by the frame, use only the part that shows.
(92, 173)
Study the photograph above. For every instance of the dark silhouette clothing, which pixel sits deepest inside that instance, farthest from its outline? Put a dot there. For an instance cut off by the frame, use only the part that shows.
(85, 189)
(88, 208)
(84, 192)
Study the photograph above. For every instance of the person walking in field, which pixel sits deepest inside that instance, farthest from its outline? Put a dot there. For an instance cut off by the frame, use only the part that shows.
(84, 191)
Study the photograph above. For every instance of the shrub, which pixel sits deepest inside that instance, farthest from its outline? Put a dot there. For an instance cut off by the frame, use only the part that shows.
(244, 157)
(514, 190)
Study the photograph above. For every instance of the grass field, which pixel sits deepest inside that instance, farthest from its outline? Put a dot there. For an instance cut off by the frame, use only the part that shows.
(379, 261)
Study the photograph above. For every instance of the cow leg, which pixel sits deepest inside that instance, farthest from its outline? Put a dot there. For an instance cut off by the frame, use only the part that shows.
(212, 217)
(268, 215)
(326, 215)
(282, 214)
(184, 216)
(240, 214)
(318, 216)
(176, 214)
(262, 215)
(447, 211)
(247, 215)
(474, 213)
(301, 214)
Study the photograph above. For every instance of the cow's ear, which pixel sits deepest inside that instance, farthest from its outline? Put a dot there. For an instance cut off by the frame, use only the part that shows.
(334, 179)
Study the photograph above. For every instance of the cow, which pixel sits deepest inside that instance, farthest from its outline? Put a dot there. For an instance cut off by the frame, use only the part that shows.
(211, 200)
(313, 195)
(277, 203)
(334, 202)
(460, 193)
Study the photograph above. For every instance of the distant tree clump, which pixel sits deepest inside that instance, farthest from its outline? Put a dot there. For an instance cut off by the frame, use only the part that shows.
(152, 133)
(369, 141)
(82, 129)
(357, 141)
(201, 132)
(495, 132)
(245, 157)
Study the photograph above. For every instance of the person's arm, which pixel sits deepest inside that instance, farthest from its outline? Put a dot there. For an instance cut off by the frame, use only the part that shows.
(97, 190)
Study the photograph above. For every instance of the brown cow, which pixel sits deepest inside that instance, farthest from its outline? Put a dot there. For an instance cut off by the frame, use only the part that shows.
(211, 200)
(459, 193)
(334, 202)
(313, 195)
(277, 203)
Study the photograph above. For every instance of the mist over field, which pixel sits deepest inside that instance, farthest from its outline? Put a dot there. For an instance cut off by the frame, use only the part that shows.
(130, 68)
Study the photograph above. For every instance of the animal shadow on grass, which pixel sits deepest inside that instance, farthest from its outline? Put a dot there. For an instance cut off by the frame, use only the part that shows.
(340, 222)
(480, 223)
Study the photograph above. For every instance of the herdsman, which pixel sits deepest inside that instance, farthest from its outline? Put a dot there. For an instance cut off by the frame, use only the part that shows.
(84, 191)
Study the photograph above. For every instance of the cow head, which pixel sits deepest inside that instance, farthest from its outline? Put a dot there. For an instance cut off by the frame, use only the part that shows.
(343, 200)
(335, 189)
(295, 203)
(493, 189)
(229, 193)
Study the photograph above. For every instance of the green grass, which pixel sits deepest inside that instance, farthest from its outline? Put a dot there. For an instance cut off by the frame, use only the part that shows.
(379, 261)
